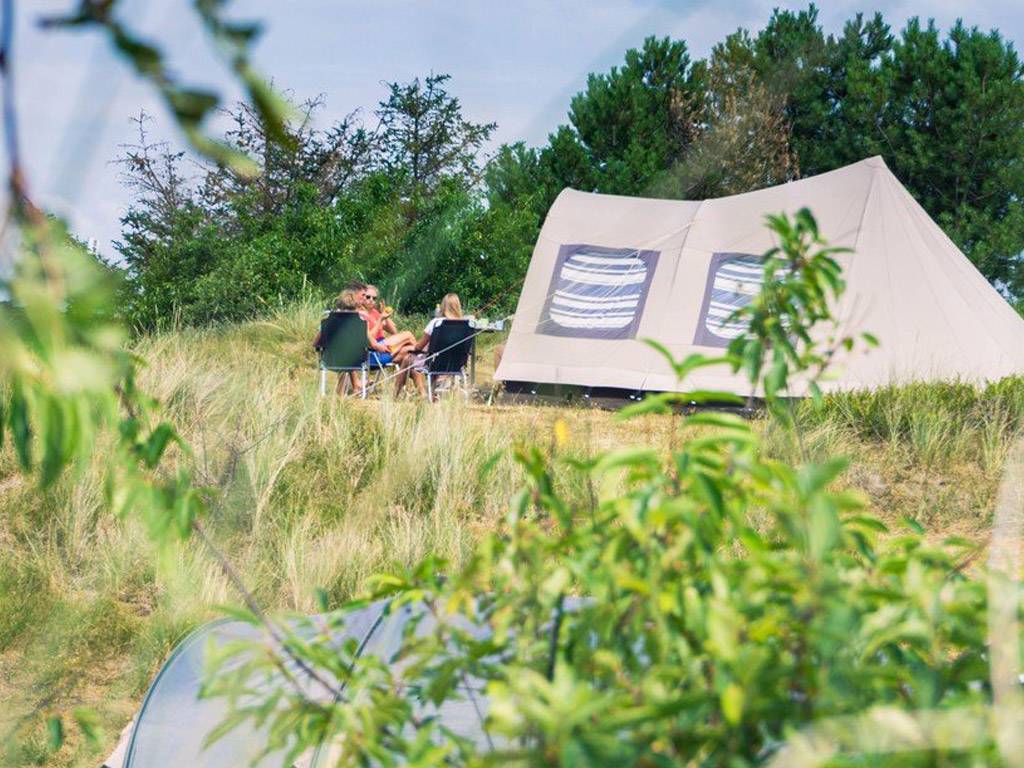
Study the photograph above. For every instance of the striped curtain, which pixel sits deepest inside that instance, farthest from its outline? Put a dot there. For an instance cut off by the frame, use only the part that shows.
(597, 292)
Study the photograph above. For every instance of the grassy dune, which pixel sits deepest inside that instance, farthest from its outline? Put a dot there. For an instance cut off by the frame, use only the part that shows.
(317, 492)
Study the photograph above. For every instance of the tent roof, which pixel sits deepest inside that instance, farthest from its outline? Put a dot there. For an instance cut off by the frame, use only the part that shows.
(907, 283)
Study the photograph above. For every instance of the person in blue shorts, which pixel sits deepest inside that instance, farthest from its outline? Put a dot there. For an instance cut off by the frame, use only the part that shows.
(379, 354)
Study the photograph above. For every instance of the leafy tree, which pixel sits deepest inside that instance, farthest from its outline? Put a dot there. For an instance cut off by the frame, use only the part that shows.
(741, 137)
(833, 87)
(947, 116)
(517, 176)
(953, 131)
(460, 245)
(329, 205)
(791, 58)
(633, 121)
(330, 161)
(566, 162)
(425, 139)
(167, 241)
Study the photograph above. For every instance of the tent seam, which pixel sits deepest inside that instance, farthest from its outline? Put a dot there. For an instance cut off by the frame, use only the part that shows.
(675, 275)
(359, 652)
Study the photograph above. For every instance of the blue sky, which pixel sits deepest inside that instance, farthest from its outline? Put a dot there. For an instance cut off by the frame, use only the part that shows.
(515, 63)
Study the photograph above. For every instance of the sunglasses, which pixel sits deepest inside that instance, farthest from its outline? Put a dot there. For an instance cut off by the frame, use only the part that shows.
(368, 297)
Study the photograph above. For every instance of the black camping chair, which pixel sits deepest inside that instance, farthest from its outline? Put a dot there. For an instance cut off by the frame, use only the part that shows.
(342, 346)
(451, 344)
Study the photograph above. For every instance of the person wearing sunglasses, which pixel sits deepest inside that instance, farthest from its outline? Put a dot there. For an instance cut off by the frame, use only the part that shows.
(353, 300)
(382, 328)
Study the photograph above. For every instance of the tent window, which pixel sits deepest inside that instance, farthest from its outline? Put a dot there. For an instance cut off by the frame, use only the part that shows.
(734, 279)
(597, 292)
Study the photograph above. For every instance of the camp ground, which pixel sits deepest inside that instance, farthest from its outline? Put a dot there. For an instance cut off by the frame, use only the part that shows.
(616, 384)
(609, 271)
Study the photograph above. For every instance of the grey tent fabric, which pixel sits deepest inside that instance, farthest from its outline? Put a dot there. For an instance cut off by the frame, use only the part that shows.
(464, 716)
(173, 720)
(609, 271)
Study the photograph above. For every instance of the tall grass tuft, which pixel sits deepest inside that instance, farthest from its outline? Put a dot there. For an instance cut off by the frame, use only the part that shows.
(952, 421)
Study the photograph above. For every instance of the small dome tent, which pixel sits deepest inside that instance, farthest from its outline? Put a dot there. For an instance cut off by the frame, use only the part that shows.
(609, 271)
(173, 722)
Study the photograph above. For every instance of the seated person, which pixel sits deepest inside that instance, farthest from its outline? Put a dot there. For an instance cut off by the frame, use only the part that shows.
(450, 309)
(380, 355)
(382, 327)
(339, 306)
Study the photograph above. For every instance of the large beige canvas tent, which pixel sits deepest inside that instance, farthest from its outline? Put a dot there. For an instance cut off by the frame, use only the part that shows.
(608, 272)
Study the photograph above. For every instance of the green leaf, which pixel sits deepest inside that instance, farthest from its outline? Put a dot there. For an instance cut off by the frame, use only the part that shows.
(691, 363)
(913, 524)
(662, 350)
(775, 379)
(824, 530)
(272, 108)
(753, 359)
(732, 701)
(722, 629)
(718, 419)
(712, 492)
(145, 58)
(660, 403)
(239, 614)
(241, 33)
(191, 105)
(703, 396)
(815, 390)
(55, 733)
(626, 457)
(155, 445)
(88, 723)
(867, 522)
(323, 601)
(53, 461)
(815, 477)
(488, 466)
(21, 431)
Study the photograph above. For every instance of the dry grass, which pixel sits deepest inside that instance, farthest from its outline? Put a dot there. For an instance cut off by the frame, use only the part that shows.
(320, 493)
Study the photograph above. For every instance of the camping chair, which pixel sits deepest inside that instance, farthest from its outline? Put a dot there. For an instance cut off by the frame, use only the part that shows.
(451, 344)
(379, 370)
(342, 346)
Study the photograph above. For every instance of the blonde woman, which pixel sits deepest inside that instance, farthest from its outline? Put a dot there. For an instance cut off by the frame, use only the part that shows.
(451, 309)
